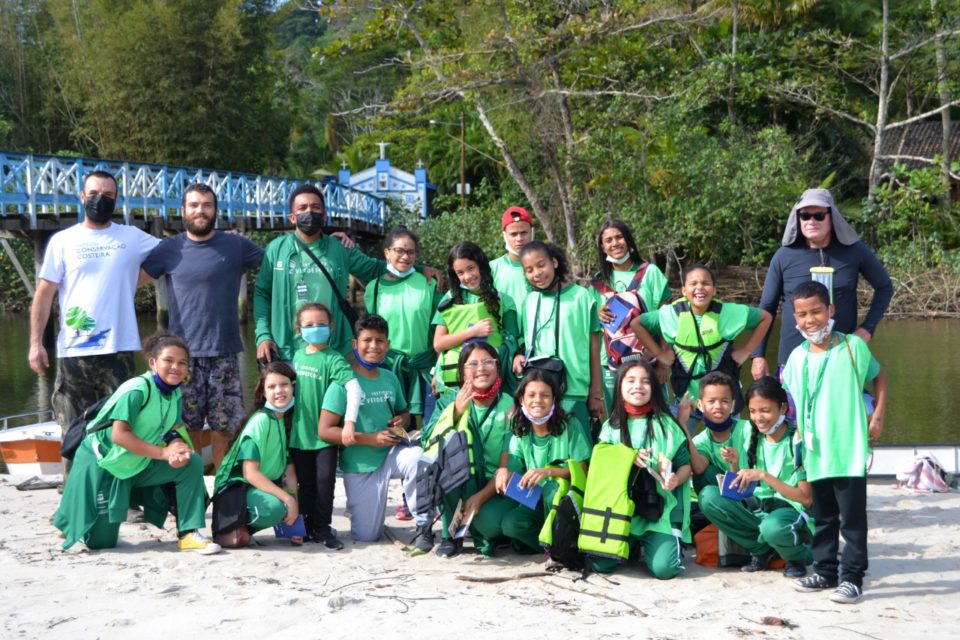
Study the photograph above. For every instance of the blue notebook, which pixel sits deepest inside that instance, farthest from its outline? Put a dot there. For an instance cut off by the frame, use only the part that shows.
(284, 530)
(740, 493)
(527, 497)
(620, 311)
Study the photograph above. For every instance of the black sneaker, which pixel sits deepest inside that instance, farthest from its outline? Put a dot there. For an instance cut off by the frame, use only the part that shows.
(847, 593)
(449, 548)
(814, 582)
(326, 537)
(795, 569)
(422, 540)
(759, 563)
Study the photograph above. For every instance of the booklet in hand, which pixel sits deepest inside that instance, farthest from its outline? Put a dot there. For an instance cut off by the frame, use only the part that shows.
(528, 497)
(284, 530)
(411, 437)
(620, 311)
(734, 493)
(663, 471)
(460, 523)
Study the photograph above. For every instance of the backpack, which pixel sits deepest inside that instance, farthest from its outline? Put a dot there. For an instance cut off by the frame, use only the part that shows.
(623, 345)
(561, 530)
(924, 473)
(80, 426)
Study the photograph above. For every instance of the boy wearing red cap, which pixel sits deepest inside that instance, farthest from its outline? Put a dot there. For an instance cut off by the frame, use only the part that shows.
(508, 277)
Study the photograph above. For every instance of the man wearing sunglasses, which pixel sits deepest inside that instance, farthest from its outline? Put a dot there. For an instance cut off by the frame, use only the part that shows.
(819, 244)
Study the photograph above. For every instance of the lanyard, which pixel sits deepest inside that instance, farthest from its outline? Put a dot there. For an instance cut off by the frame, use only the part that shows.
(537, 326)
(814, 386)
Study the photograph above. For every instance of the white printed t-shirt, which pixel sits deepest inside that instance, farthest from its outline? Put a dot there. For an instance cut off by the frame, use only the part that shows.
(96, 272)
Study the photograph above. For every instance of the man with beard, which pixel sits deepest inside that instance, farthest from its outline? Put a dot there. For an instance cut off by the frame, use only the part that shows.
(202, 269)
(92, 267)
(289, 277)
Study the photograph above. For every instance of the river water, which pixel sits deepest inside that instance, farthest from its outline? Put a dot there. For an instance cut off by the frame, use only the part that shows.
(921, 357)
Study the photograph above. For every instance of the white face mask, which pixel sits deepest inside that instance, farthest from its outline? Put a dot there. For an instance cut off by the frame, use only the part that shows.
(506, 243)
(619, 261)
(818, 336)
(400, 274)
(538, 421)
(776, 427)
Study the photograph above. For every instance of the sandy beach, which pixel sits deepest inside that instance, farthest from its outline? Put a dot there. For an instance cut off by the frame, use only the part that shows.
(145, 588)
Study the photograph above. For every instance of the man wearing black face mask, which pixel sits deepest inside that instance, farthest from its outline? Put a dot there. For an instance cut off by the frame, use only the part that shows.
(289, 278)
(93, 268)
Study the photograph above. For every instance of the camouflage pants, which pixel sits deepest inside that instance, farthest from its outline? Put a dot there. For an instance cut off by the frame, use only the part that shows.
(83, 380)
(213, 394)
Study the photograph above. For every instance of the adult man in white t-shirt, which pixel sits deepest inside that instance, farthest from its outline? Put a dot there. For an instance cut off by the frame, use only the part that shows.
(93, 268)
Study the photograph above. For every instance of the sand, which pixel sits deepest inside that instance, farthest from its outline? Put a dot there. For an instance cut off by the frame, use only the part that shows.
(145, 588)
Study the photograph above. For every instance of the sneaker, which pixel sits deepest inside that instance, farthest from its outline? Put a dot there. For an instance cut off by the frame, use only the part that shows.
(847, 593)
(814, 582)
(402, 513)
(449, 548)
(795, 569)
(196, 541)
(423, 540)
(758, 563)
(330, 541)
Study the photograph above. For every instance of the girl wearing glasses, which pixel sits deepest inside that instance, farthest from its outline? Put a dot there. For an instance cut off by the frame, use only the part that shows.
(481, 409)
(405, 299)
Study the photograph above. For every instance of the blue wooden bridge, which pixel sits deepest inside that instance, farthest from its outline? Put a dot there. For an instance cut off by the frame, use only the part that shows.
(41, 193)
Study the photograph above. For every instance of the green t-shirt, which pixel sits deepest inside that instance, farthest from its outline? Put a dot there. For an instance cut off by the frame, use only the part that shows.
(776, 458)
(382, 400)
(536, 452)
(509, 279)
(288, 278)
(739, 438)
(827, 389)
(263, 438)
(150, 421)
(494, 433)
(732, 320)
(408, 305)
(578, 320)
(315, 372)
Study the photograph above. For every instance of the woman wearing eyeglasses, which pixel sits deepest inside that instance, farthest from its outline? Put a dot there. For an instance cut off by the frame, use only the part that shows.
(405, 299)
(480, 408)
(818, 244)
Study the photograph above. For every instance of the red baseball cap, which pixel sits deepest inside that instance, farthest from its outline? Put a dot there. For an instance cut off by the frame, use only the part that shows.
(515, 214)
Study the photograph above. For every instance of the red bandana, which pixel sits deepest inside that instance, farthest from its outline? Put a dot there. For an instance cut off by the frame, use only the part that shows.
(489, 394)
(633, 411)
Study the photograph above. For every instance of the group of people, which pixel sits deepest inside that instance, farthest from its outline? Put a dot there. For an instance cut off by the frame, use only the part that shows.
(498, 384)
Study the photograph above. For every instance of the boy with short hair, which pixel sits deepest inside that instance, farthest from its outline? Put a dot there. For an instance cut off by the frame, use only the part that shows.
(378, 455)
(722, 446)
(826, 375)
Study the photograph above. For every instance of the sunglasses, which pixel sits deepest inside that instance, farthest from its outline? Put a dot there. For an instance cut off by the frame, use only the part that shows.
(819, 216)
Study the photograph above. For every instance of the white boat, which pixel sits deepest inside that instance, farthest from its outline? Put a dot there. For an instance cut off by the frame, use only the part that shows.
(32, 449)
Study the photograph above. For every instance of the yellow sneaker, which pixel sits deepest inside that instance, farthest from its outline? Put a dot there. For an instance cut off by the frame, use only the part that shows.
(196, 541)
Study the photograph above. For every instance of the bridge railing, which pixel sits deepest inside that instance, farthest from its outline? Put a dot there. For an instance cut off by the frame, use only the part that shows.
(37, 185)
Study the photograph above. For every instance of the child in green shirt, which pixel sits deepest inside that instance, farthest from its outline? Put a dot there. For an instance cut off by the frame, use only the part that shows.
(825, 375)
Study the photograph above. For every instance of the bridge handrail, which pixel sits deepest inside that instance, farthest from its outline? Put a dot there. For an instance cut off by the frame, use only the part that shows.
(33, 184)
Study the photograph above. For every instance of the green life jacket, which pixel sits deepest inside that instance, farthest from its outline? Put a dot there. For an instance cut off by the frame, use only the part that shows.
(155, 419)
(458, 317)
(607, 507)
(701, 342)
(560, 531)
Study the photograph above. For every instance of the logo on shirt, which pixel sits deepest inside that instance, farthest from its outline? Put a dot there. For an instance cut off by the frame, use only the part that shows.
(83, 326)
(99, 248)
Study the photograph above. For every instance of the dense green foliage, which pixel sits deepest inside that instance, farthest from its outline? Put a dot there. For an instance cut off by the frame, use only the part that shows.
(698, 123)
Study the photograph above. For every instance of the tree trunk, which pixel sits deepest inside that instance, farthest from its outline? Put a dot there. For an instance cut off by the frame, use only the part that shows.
(883, 99)
(944, 91)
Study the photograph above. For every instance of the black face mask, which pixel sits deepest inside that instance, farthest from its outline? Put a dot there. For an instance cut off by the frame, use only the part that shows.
(99, 208)
(310, 222)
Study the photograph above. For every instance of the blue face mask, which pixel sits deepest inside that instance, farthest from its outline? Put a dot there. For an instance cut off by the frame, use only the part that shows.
(319, 334)
(718, 427)
(369, 366)
(163, 386)
(270, 407)
(465, 287)
(400, 274)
